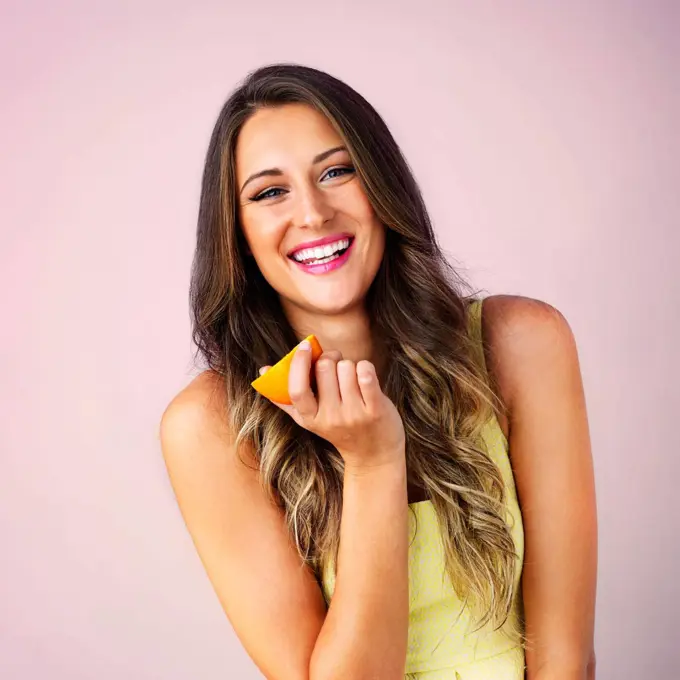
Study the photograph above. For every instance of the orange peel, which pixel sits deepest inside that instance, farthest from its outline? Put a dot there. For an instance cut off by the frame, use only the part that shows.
(274, 383)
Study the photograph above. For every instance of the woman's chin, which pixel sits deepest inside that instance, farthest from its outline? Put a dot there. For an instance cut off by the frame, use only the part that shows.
(331, 307)
(329, 304)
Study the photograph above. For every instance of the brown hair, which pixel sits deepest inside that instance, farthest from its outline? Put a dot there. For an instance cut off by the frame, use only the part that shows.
(418, 308)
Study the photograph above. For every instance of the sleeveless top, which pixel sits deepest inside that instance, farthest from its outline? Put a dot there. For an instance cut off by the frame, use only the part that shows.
(442, 644)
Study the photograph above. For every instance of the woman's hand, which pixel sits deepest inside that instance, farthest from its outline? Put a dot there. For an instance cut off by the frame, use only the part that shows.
(350, 410)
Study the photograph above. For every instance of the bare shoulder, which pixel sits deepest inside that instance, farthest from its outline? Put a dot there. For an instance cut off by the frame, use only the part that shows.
(525, 337)
(275, 607)
(198, 405)
(534, 357)
(515, 320)
(196, 440)
(198, 445)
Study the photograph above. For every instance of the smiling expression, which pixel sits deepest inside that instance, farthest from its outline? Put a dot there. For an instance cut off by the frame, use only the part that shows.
(303, 210)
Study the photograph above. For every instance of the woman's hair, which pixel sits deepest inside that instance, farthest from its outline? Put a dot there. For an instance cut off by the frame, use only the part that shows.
(417, 309)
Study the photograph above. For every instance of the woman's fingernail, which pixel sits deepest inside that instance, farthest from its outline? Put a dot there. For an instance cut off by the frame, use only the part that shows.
(365, 376)
(304, 345)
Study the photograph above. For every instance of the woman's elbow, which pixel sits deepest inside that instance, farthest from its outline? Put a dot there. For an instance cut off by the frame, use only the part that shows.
(590, 668)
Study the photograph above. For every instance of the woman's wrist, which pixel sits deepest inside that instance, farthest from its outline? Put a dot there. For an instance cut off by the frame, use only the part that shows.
(383, 483)
(393, 463)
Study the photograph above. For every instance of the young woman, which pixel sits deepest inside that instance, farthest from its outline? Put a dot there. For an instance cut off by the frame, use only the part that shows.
(426, 504)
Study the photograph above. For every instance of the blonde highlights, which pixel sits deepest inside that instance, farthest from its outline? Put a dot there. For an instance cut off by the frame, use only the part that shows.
(419, 308)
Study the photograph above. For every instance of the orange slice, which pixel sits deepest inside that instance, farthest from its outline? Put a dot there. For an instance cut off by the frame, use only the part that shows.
(274, 383)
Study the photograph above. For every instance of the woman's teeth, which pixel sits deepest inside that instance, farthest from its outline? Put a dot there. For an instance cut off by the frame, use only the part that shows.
(323, 260)
(321, 254)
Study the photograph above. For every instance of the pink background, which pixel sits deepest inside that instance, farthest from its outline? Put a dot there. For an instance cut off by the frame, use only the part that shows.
(546, 143)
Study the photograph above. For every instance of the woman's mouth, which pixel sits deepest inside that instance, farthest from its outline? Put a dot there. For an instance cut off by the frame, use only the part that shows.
(323, 259)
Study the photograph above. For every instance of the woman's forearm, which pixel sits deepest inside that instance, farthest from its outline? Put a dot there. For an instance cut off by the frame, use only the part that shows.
(365, 632)
(561, 670)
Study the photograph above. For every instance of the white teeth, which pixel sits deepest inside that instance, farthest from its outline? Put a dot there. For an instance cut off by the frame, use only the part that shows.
(323, 260)
(322, 252)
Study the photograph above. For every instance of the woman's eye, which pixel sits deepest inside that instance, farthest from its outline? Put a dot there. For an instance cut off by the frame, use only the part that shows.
(339, 172)
(269, 193)
(275, 192)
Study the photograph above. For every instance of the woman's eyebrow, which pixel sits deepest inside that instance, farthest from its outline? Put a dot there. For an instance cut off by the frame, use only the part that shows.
(323, 156)
(271, 172)
(277, 172)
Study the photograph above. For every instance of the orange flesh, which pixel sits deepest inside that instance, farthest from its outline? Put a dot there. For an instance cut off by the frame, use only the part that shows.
(274, 383)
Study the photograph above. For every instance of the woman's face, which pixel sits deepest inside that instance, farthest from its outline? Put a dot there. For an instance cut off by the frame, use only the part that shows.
(303, 211)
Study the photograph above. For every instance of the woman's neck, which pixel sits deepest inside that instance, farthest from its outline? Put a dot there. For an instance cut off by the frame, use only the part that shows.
(349, 333)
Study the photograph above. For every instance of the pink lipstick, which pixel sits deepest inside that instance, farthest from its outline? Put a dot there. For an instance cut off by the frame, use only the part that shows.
(323, 262)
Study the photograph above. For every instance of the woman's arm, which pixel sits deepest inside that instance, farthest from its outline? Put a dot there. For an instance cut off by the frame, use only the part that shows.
(533, 358)
(365, 634)
(272, 600)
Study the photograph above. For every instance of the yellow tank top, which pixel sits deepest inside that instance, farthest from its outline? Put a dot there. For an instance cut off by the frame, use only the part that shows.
(441, 641)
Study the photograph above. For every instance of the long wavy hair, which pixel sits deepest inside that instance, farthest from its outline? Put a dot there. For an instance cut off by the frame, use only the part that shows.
(418, 307)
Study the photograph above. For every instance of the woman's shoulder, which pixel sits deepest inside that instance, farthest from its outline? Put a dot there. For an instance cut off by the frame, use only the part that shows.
(203, 388)
(506, 316)
(198, 407)
(522, 336)
(198, 443)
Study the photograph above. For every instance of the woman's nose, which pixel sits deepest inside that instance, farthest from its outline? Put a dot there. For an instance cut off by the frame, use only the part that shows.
(312, 208)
